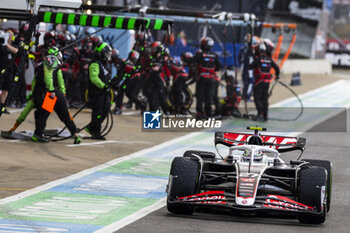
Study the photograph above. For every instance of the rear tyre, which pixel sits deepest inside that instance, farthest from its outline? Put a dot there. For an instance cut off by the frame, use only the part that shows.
(311, 181)
(185, 174)
(328, 166)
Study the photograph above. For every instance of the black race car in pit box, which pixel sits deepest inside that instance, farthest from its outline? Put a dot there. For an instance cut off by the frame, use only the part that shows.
(251, 177)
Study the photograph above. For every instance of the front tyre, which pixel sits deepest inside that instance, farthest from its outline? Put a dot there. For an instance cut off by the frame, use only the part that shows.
(312, 182)
(184, 182)
(328, 166)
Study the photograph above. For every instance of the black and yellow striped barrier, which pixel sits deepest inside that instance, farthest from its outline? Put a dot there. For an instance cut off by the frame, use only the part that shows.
(104, 21)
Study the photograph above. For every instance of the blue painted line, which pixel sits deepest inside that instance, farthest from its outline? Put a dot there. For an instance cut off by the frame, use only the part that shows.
(17, 226)
(112, 184)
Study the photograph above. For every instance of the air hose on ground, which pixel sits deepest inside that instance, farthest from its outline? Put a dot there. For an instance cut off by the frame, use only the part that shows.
(296, 95)
(250, 116)
(105, 131)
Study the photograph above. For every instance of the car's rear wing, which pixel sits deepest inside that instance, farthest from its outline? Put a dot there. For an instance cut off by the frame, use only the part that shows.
(280, 143)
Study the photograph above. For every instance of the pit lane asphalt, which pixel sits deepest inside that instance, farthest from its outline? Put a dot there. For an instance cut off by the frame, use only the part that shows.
(333, 146)
(24, 165)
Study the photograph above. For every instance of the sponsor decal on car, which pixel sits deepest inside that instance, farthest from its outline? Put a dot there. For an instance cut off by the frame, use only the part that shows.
(210, 197)
(246, 187)
(283, 203)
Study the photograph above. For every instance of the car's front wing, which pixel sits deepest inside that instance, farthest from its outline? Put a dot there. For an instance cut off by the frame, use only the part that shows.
(267, 203)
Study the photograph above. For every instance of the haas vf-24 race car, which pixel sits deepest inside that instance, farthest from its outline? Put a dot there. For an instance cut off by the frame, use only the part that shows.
(251, 177)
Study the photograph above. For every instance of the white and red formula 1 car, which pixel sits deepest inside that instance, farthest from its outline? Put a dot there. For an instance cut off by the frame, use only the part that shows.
(251, 176)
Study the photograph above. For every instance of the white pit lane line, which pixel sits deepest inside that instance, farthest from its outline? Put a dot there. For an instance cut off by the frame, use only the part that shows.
(92, 170)
(108, 141)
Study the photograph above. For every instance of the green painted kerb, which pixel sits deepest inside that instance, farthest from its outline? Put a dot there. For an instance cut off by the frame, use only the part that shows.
(131, 23)
(158, 24)
(95, 20)
(47, 17)
(82, 20)
(119, 22)
(107, 21)
(59, 18)
(71, 18)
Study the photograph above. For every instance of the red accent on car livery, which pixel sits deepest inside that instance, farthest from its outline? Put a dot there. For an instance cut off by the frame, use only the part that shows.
(241, 139)
(243, 179)
(205, 194)
(210, 197)
(280, 202)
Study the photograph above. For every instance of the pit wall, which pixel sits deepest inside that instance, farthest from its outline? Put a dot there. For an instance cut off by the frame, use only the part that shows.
(307, 66)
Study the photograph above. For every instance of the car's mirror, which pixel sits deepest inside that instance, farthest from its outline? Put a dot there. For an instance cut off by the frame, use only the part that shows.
(222, 150)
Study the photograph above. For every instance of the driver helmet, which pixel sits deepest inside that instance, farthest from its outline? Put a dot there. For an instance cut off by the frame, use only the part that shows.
(258, 156)
(246, 155)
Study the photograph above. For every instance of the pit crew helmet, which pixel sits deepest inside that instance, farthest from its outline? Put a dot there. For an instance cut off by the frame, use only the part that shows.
(186, 58)
(61, 40)
(103, 52)
(134, 56)
(206, 44)
(53, 57)
(140, 36)
(24, 29)
(96, 40)
(115, 55)
(156, 47)
(269, 44)
(72, 38)
(262, 50)
(50, 38)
